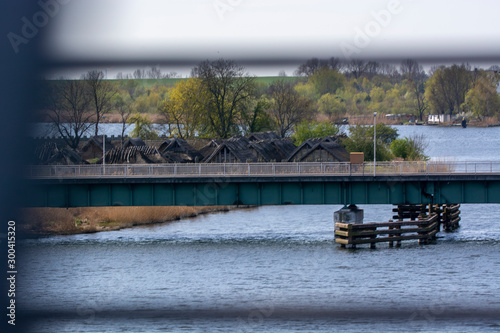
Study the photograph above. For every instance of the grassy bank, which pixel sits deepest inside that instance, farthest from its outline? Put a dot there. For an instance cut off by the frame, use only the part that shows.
(62, 221)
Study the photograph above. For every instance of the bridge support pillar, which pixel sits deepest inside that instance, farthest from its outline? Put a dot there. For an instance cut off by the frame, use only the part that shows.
(350, 214)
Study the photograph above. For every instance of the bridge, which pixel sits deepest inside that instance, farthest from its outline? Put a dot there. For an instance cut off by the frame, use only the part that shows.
(263, 184)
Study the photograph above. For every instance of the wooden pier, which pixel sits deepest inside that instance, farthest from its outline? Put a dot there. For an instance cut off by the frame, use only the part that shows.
(425, 222)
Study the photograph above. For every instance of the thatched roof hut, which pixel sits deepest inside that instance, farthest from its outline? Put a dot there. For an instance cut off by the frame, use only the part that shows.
(134, 142)
(93, 147)
(179, 151)
(232, 150)
(134, 155)
(259, 136)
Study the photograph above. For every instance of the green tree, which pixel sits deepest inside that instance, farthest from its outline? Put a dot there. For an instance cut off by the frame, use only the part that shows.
(325, 80)
(254, 117)
(308, 130)
(143, 127)
(447, 88)
(333, 106)
(410, 148)
(185, 107)
(360, 139)
(482, 99)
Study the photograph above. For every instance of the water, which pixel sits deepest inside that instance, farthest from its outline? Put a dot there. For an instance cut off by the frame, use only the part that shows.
(271, 269)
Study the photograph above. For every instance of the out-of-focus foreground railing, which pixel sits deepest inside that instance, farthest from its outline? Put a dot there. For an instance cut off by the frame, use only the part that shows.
(260, 169)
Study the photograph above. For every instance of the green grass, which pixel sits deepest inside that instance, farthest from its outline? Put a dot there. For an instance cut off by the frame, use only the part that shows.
(149, 83)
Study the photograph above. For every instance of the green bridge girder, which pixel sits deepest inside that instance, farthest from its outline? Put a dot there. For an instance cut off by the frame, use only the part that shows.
(289, 190)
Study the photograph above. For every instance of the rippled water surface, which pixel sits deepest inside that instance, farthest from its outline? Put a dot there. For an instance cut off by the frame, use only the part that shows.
(272, 269)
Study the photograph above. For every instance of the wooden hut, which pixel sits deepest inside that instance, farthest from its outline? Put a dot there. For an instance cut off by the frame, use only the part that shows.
(327, 149)
(134, 142)
(233, 150)
(265, 151)
(93, 147)
(179, 151)
(326, 152)
(263, 136)
(134, 155)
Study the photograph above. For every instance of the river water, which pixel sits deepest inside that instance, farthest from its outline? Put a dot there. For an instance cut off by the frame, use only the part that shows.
(272, 269)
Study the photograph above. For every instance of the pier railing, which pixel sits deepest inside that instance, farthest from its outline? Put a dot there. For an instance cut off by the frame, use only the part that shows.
(260, 169)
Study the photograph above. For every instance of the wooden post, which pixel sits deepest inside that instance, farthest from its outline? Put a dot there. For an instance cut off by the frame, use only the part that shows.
(391, 244)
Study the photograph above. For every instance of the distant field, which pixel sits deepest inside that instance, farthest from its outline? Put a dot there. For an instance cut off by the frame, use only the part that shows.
(148, 83)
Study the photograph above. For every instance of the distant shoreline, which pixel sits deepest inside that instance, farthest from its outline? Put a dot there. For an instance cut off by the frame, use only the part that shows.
(115, 118)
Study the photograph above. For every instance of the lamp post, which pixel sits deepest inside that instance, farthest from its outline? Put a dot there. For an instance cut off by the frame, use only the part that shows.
(374, 142)
(103, 154)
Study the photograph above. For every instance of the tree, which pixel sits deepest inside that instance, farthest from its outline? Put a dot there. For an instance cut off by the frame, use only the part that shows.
(139, 74)
(121, 104)
(101, 94)
(482, 98)
(361, 140)
(143, 128)
(325, 80)
(254, 117)
(447, 87)
(333, 106)
(185, 107)
(228, 86)
(356, 68)
(415, 78)
(288, 108)
(154, 73)
(308, 130)
(311, 65)
(410, 148)
(308, 68)
(68, 102)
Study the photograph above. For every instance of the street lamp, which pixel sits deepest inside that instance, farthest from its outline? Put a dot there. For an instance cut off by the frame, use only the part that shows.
(374, 142)
(103, 154)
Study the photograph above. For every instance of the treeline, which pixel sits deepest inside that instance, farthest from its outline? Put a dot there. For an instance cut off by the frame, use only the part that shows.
(222, 99)
(328, 89)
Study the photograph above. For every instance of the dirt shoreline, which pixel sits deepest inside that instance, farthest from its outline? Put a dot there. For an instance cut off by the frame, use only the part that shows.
(71, 221)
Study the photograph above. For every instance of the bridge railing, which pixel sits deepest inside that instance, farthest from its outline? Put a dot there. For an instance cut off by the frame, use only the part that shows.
(260, 169)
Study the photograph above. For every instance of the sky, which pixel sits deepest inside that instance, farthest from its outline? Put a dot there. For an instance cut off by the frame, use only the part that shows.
(272, 35)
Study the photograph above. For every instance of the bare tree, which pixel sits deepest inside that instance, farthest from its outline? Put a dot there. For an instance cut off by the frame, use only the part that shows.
(122, 104)
(356, 68)
(228, 86)
(287, 108)
(155, 73)
(372, 68)
(309, 67)
(101, 93)
(415, 77)
(334, 63)
(282, 73)
(68, 103)
(139, 74)
(312, 65)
